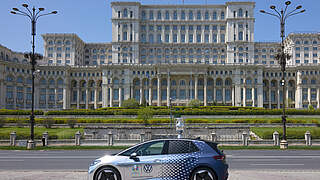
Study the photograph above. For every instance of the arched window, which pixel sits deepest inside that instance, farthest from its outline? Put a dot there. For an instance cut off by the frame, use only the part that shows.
(154, 83)
(173, 83)
(206, 15)
(222, 15)
(116, 81)
(9, 79)
(214, 16)
(210, 82)
(137, 83)
(304, 81)
(313, 81)
(29, 81)
(190, 15)
(19, 80)
(68, 42)
(125, 12)
(198, 15)
(43, 82)
(163, 82)
(228, 82)
(297, 42)
(314, 42)
(51, 82)
(182, 83)
(60, 82)
(240, 13)
(219, 82)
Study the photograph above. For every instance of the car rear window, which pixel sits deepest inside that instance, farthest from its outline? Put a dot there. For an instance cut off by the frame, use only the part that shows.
(181, 147)
(214, 147)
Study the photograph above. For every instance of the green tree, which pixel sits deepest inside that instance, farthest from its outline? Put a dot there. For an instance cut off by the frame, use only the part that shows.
(145, 114)
(130, 104)
(194, 103)
(2, 121)
(311, 108)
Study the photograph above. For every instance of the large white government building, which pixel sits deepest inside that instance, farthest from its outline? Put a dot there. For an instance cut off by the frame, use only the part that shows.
(162, 54)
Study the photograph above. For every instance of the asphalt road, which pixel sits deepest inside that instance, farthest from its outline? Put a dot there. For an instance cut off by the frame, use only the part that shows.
(79, 160)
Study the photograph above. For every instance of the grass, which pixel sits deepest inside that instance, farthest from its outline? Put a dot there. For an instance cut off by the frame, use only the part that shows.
(292, 132)
(54, 133)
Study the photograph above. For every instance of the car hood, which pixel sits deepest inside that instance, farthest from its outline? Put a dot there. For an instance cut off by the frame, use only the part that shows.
(113, 159)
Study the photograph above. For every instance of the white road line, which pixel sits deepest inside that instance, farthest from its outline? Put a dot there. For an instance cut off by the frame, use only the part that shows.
(11, 160)
(276, 164)
(242, 160)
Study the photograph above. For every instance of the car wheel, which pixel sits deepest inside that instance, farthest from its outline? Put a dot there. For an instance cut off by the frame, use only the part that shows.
(107, 173)
(203, 174)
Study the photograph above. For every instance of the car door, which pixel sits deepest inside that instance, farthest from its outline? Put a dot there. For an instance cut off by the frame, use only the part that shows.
(181, 158)
(146, 164)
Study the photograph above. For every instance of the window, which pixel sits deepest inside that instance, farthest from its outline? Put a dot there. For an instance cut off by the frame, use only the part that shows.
(175, 38)
(167, 38)
(206, 15)
(143, 15)
(167, 15)
(240, 36)
(152, 148)
(175, 15)
(125, 13)
(222, 15)
(198, 38)
(151, 15)
(214, 15)
(190, 15)
(181, 147)
(206, 38)
(183, 38)
(190, 38)
(198, 15)
(222, 38)
(159, 16)
(240, 13)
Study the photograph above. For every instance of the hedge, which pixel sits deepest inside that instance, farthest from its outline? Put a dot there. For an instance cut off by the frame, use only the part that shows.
(19, 112)
(292, 133)
(186, 111)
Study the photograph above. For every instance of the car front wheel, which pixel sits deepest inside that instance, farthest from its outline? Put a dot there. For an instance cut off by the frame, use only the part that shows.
(203, 174)
(107, 173)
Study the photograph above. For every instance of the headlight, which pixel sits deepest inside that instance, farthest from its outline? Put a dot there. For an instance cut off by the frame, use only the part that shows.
(97, 161)
(93, 165)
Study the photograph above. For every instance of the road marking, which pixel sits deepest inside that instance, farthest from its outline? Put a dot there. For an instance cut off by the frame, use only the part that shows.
(276, 164)
(11, 160)
(241, 160)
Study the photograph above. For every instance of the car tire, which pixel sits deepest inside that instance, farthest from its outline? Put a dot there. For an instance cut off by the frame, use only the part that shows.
(107, 173)
(203, 173)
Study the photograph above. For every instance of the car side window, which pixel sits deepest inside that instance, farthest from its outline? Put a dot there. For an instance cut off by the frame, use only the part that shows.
(181, 147)
(152, 148)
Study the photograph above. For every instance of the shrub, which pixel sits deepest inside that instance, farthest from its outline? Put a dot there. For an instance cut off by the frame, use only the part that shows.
(240, 121)
(311, 108)
(2, 122)
(194, 103)
(71, 122)
(48, 122)
(275, 121)
(145, 114)
(130, 104)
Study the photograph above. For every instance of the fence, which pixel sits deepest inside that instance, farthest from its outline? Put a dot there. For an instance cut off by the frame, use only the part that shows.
(112, 139)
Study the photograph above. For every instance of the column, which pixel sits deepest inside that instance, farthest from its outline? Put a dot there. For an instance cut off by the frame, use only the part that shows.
(120, 96)
(244, 96)
(65, 98)
(55, 97)
(237, 95)
(159, 91)
(223, 95)
(278, 97)
(104, 95)
(37, 97)
(141, 94)
(232, 95)
(287, 96)
(298, 99)
(131, 91)
(47, 98)
(318, 101)
(3, 95)
(309, 95)
(253, 102)
(260, 95)
(96, 97)
(150, 95)
(87, 98)
(111, 96)
(195, 87)
(78, 98)
(168, 90)
(269, 95)
(205, 101)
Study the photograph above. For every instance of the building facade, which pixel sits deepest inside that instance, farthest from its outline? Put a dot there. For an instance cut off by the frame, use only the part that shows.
(166, 54)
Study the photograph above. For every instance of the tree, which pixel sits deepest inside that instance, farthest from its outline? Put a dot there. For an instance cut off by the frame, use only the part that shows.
(311, 108)
(194, 103)
(130, 104)
(145, 114)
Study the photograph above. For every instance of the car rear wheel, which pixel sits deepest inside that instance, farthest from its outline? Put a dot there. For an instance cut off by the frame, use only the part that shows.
(203, 174)
(107, 173)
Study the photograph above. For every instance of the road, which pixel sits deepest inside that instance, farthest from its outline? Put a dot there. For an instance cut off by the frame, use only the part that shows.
(256, 163)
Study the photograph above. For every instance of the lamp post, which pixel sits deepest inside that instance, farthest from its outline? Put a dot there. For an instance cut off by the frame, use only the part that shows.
(282, 57)
(33, 14)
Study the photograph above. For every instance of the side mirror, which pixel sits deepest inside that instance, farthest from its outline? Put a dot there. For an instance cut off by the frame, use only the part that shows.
(133, 156)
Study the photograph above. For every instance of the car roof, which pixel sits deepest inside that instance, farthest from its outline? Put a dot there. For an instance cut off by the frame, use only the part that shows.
(183, 139)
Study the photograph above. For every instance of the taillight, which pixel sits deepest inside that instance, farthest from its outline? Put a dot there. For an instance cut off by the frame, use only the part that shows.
(219, 157)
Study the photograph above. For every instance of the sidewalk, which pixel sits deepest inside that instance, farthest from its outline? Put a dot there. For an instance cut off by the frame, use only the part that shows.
(234, 175)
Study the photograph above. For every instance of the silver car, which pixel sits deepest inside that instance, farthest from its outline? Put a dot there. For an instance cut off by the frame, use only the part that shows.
(167, 159)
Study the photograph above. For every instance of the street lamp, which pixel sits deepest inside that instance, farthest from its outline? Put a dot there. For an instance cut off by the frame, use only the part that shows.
(170, 106)
(33, 14)
(282, 57)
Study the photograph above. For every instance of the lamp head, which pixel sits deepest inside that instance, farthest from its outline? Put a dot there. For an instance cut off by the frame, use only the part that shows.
(303, 11)
(41, 9)
(54, 12)
(273, 7)
(25, 5)
(288, 3)
(299, 7)
(12, 12)
(15, 9)
(262, 11)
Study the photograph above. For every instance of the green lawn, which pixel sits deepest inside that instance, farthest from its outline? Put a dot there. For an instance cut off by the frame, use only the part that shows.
(54, 133)
(292, 132)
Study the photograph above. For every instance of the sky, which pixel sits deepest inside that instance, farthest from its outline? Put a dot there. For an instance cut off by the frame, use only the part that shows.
(90, 20)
